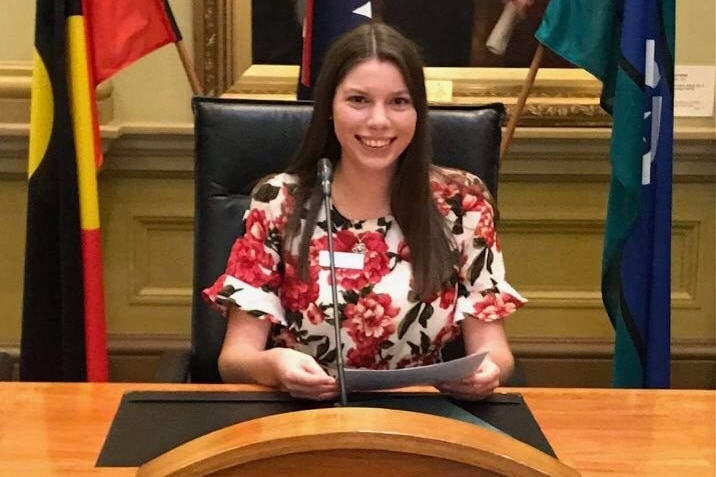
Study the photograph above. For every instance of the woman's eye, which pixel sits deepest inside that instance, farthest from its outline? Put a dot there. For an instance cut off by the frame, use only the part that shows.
(357, 99)
(402, 101)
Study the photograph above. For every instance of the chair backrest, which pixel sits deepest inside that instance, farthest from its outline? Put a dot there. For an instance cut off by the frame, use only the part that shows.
(241, 141)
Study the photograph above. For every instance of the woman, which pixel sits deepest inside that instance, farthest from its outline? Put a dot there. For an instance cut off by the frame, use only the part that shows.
(430, 264)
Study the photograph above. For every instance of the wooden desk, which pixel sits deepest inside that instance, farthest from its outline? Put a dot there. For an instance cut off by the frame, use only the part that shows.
(58, 429)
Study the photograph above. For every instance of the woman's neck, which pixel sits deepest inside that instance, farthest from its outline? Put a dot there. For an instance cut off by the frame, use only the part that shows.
(361, 196)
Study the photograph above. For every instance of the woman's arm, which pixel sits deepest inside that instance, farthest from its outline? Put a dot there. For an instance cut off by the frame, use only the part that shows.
(245, 359)
(489, 337)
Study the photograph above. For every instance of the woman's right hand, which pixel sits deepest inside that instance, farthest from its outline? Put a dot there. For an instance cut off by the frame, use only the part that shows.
(300, 375)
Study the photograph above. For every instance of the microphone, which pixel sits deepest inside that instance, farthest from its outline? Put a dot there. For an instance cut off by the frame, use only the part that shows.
(324, 175)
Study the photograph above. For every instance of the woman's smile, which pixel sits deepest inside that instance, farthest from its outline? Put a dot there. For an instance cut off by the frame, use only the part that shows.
(375, 143)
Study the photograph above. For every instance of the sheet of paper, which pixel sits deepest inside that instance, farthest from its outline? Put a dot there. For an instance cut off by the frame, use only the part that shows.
(694, 91)
(369, 379)
(439, 91)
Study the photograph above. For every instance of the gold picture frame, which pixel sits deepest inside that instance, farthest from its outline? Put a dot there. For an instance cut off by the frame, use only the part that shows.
(560, 97)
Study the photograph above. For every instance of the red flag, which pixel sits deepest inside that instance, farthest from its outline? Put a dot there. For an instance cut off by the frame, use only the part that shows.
(121, 32)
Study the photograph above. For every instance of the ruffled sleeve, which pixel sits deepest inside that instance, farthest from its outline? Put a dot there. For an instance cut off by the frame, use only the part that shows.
(483, 292)
(253, 274)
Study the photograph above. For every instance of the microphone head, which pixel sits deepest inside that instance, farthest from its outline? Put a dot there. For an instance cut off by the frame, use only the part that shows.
(325, 169)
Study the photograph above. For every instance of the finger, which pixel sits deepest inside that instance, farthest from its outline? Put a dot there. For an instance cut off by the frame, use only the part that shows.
(315, 396)
(310, 374)
(480, 378)
(312, 380)
(301, 389)
(304, 388)
(312, 367)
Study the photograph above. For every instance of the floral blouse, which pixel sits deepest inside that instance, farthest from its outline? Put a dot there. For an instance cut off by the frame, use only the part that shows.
(383, 326)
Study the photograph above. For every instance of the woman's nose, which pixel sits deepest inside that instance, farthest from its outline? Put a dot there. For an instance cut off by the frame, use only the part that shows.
(378, 116)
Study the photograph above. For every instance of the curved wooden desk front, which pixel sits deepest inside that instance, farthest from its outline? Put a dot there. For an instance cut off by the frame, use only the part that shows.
(53, 429)
(354, 442)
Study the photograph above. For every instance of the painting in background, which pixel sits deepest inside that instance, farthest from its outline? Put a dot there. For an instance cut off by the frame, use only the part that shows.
(450, 33)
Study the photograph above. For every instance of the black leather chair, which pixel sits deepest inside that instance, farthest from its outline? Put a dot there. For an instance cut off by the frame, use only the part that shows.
(241, 141)
(5, 366)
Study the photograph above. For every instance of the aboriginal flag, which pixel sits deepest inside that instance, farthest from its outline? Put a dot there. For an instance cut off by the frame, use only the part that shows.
(63, 325)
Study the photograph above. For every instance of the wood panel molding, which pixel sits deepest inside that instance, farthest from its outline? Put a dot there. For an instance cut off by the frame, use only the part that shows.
(685, 261)
(160, 267)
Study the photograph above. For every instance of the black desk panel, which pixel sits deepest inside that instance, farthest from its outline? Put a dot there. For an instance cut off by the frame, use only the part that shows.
(149, 423)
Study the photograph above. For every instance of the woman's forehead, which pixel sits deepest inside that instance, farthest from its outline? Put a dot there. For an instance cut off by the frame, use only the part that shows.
(375, 73)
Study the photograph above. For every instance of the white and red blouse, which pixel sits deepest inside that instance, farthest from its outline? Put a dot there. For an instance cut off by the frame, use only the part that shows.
(383, 325)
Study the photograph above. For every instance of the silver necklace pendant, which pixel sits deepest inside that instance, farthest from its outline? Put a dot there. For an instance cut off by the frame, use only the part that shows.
(359, 247)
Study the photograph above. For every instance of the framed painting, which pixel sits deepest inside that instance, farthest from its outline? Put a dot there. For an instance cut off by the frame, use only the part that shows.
(251, 48)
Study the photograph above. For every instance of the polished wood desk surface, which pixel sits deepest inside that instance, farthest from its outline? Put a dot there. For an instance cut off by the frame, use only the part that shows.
(50, 429)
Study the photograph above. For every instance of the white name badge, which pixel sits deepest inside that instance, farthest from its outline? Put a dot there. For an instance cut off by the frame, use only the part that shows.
(354, 261)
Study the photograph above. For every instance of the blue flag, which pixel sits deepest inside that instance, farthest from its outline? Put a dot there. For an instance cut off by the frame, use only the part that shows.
(324, 21)
(629, 46)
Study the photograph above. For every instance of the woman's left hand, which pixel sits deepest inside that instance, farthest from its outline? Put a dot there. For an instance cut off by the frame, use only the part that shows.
(476, 386)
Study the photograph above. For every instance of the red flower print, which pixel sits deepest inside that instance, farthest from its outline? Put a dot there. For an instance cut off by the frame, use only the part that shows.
(366, 357)
(404, 251)
(314, 314)
(286, 209)
(256, 225)
(485, 227)
(250, 262)
(447, 297)
(431, 355)
(494, 306)
(296, 294)
(441, 193)
(370, 321)
(210, 293)
(285, 338)
(472, 202)
(417, 360)
(376, 262)
(448, 333)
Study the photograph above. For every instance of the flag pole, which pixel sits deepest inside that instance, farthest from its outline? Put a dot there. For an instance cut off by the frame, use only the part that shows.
(521, 100)
(188, 66)
(186, 61)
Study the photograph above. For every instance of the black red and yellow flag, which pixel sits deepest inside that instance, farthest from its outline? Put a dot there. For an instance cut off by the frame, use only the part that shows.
(63, 327)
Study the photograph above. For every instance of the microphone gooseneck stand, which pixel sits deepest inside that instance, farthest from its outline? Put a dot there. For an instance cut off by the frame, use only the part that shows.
(324, 175)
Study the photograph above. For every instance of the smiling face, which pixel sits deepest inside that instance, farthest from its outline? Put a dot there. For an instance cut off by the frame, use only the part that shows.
(373, 117)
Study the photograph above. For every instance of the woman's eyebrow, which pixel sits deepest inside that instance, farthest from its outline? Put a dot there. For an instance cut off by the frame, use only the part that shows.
(357, 89)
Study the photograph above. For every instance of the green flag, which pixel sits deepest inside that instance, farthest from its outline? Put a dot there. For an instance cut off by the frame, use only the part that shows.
(629, 45)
